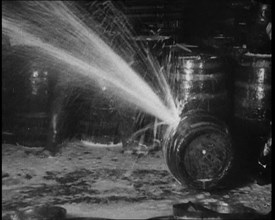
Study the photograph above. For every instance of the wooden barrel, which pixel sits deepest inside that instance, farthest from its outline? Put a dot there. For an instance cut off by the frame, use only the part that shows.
(199, 81)
(98, 120)
(257, 38)
(252, 94)
(198, 152)
(26, 98)
(252, 108)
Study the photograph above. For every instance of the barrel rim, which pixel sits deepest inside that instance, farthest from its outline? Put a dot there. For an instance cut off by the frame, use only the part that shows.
(173, 164)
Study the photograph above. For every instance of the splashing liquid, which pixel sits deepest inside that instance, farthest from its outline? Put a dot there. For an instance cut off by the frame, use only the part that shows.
(57, 31)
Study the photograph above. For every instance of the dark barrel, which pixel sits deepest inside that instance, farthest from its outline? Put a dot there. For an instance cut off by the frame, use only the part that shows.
(252, 108)
(257, 38)
(25, 98)
(199, 81)
(98, 118)
(252, 95)
(198, 152)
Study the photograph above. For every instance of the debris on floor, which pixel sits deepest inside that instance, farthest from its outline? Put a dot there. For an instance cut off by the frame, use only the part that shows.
(102, 182)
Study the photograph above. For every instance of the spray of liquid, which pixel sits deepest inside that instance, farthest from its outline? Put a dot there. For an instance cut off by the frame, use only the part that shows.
(57, 31)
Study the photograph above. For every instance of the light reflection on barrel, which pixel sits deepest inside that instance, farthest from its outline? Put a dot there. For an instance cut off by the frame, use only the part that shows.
(199, 81)
(252, 95)
(198, 152)
(26, 96)
(252, 107)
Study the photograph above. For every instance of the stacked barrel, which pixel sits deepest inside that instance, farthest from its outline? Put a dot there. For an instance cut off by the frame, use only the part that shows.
(239, 95)
(252, 88)
(43, 105)
(252, 105)
(25, 97)
(198, 152)
(200, 81)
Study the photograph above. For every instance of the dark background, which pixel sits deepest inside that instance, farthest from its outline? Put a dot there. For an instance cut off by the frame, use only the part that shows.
(197, 22)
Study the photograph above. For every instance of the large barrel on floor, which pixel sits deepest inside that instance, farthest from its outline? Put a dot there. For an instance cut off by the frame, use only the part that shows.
(199, 81)
(252, 95)
(198, 152)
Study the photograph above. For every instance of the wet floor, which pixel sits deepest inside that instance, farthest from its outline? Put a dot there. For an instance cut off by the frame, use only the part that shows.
(107, 183)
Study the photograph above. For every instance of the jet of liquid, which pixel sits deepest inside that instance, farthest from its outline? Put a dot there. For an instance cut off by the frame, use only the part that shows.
(55, 29)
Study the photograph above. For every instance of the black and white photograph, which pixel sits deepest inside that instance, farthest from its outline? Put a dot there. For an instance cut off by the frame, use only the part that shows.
(136, 109)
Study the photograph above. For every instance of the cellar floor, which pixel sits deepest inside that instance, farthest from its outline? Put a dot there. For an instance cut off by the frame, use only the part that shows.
(100, 181)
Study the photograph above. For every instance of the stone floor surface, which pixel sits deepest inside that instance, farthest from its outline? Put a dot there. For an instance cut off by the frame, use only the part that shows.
(101, 181)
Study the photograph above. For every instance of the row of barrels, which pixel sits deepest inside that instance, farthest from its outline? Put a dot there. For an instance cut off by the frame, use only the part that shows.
(226, 114)
(239, 96)
(206, 81)
(42, 106)
(198, 151)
